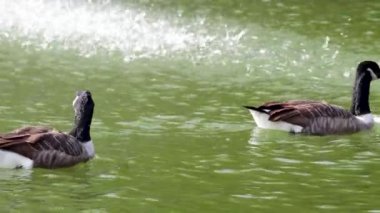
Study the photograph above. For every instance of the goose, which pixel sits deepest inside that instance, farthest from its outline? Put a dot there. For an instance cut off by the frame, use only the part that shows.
(321, 118)
(43, 147)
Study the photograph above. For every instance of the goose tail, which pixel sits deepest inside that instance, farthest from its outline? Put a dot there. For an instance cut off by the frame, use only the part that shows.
(255, 109)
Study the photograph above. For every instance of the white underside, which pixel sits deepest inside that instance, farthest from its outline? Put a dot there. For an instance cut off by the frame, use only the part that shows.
(11, 160)
(89, 147)
(262, 121)
(368, 119)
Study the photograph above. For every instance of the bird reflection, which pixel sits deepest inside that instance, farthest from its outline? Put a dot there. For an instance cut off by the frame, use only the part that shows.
(15, 174)
(255, 136)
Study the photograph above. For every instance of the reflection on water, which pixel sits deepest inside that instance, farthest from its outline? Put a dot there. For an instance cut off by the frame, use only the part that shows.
(285, 164)
(255, 136)
(20, 174)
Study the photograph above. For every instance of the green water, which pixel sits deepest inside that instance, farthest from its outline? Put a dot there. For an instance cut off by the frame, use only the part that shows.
(169, 79)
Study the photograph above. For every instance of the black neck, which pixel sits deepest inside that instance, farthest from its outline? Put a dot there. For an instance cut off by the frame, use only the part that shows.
(82, 125)
(360, 96)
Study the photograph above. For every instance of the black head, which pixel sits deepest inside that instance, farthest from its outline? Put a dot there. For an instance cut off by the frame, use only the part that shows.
(84, 108)
(369, 67)
(83, 102)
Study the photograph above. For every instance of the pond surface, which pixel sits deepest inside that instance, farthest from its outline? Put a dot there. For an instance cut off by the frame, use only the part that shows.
(169, 78)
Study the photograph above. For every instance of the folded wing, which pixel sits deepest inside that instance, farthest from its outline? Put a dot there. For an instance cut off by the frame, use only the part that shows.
(302, 113)
(46, 147)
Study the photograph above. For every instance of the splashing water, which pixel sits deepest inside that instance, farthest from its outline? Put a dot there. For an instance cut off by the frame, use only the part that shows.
(92, 27)
(103, 27)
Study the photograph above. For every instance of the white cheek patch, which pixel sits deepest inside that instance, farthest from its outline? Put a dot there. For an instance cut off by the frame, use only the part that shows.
(373, 75)
(75, 100)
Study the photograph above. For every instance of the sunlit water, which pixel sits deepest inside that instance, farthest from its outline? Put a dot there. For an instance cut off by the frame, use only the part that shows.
(169, 79)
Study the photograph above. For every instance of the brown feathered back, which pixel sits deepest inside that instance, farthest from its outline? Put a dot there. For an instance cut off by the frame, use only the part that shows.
(302, 112)
(46, 147)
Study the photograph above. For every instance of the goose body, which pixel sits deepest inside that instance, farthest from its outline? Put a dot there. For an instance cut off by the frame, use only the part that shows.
(44, 147)
(320, 118)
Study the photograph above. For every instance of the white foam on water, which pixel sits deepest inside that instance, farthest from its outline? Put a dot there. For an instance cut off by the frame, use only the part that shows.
(89, 27)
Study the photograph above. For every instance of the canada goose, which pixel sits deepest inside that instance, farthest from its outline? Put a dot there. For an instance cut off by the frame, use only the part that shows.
(43, 147)
(320, 118)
